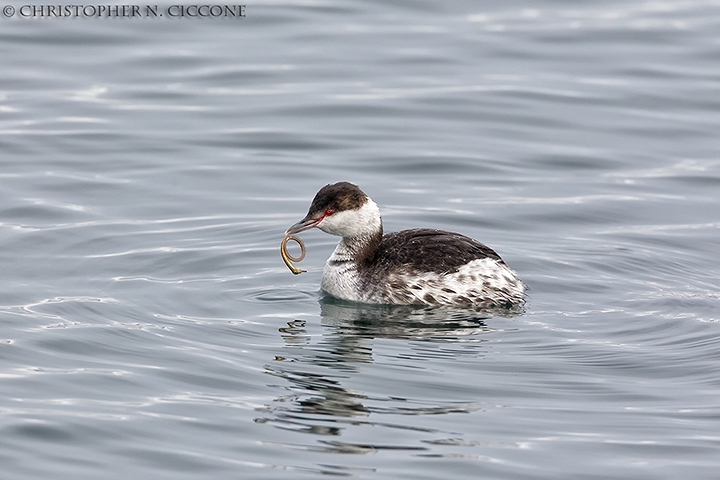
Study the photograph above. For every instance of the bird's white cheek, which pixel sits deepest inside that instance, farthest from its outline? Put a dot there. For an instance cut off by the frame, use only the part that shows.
(353, 223)
(340, 223)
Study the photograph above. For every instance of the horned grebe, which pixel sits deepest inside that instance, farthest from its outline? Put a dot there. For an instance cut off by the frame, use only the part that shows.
(419, 266)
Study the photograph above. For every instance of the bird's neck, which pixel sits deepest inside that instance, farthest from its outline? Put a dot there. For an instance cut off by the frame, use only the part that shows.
(360, 249)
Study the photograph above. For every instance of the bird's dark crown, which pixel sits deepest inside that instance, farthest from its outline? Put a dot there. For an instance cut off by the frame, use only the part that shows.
(338, 197)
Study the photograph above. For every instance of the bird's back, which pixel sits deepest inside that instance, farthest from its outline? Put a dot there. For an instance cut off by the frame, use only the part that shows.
(424, 250)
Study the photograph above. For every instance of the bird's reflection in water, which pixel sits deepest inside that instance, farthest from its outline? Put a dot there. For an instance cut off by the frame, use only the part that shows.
(316, 365)
(400, 321)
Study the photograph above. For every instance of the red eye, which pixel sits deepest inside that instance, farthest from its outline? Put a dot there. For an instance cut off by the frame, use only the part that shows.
(329, 212)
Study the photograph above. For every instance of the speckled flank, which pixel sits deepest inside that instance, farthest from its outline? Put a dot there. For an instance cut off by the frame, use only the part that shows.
(481, 283)
(484, 283)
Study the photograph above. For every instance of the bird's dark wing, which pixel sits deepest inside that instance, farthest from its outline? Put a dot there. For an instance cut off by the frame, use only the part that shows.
(429, 250)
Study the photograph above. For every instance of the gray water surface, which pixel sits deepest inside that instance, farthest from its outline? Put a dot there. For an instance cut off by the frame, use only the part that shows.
(150, 166)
